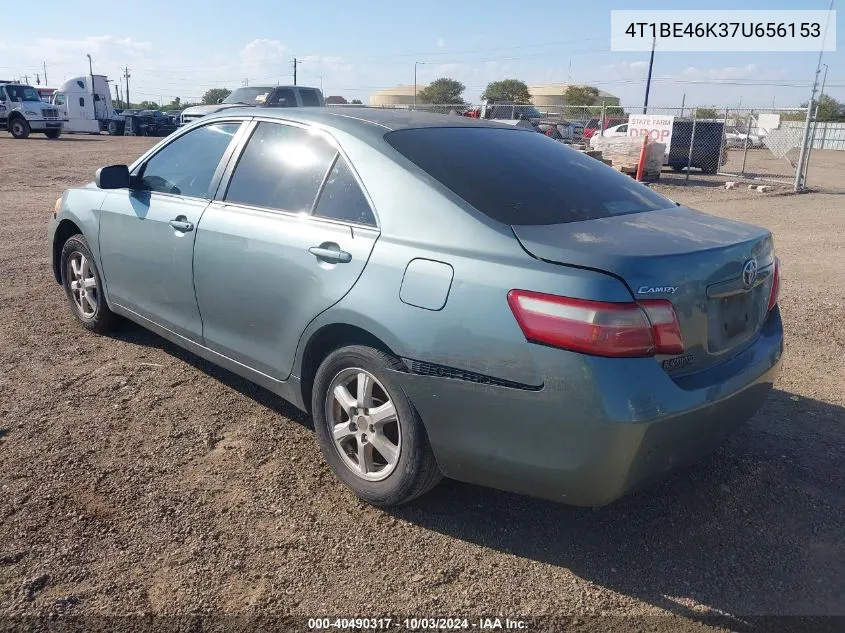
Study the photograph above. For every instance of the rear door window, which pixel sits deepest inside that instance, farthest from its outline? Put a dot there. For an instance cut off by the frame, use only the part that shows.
(282, 167)
(283, 98)
(309, 98)
(523, 177)
(342, 198)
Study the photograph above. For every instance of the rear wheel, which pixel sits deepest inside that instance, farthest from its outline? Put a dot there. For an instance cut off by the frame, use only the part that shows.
(55, 133)
(18, 127)
(369, 433)
(83, 286)
(112, 128)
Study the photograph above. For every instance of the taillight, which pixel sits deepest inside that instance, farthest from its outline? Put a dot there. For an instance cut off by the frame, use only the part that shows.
(596, 327)
(775, 291)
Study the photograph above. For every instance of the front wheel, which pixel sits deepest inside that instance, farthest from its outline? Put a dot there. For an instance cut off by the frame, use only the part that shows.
(55, 133)
(18, 127)
(112, 128)
(368, 430)
(83, 286)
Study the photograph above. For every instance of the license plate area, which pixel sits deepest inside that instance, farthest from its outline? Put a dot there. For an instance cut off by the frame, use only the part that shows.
(733, 319)
(736, 314)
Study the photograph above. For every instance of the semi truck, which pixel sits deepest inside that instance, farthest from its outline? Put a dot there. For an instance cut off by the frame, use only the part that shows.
(22, 111)
(85, 103)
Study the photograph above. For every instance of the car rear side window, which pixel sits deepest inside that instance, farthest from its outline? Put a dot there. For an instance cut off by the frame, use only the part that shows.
(309, 98)
(282, 167)
(522, 177)
(283, 98)
(342, 198)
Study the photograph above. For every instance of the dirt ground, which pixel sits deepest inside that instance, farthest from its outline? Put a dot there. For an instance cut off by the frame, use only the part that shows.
(138, 479)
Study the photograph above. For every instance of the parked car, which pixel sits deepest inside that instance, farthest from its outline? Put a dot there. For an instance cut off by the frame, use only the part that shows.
(259, 96)
(141, 123)
(617, 130)
(444, 296)
(735, 139)
(593, 126)
(562, 130)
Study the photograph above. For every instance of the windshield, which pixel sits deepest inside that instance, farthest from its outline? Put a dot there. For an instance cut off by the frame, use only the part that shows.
(249, 96)
(22, 93)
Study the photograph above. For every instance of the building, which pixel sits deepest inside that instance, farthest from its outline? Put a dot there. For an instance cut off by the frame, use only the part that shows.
(400, 95)
(552, 95)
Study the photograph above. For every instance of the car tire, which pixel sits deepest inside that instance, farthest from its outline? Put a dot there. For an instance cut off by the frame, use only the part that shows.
(53, 133)
(19, 127)
(399, 464)
(83, 286)
(112, 128)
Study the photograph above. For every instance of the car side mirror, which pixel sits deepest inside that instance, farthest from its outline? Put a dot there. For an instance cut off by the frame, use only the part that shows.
(113, 177)
(220, 101)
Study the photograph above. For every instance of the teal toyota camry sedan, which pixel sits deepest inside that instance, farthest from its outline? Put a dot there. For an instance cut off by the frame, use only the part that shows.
(445, 296)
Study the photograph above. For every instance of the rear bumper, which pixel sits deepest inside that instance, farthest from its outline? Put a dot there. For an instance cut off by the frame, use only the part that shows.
(598, 428)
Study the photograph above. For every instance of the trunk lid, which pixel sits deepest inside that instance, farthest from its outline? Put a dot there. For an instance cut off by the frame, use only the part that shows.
(693, 259)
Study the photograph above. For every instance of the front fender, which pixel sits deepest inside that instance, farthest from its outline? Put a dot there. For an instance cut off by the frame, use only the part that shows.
(80, 208)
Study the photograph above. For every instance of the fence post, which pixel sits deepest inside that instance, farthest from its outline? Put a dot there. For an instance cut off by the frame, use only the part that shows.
(810, 147)
(799, 171)
(747, 134)
(603, 111)
(722, 144)
(691, 145)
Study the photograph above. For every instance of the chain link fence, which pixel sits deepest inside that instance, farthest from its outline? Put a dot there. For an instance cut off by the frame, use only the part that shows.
(753, 144)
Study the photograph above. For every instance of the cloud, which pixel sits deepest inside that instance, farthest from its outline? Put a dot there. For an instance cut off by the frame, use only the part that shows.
(727, 72)
(101, 46)
(440, 42)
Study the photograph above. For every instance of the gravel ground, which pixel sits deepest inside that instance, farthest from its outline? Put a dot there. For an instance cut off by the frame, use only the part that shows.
(137, 478)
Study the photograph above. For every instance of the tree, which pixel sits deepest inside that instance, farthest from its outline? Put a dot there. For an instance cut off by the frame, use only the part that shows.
(580, 95)
(443, 90)
(507, 90)
(214, 95)
(148, 105)
(829, 109)
(357, 102)
(706, 113)
(336, 100)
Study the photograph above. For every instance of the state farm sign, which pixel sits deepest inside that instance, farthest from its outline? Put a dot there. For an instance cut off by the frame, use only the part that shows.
(657, 126)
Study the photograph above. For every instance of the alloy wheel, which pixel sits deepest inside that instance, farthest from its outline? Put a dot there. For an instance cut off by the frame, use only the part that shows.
(364, 424)
(83, 284)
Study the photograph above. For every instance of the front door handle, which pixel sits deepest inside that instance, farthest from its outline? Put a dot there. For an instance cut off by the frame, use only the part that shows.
(181, 224)
(330, 252)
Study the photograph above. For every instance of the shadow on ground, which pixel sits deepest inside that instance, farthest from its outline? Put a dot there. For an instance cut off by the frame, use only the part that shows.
(757, 529)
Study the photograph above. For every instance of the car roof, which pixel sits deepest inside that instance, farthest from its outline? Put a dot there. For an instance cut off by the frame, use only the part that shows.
(361, 122)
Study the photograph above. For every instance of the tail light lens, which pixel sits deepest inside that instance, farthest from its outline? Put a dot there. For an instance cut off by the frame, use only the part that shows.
(595, 327)
(775, 291)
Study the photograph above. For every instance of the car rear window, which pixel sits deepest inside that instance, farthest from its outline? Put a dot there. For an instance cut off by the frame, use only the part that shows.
(523, 177)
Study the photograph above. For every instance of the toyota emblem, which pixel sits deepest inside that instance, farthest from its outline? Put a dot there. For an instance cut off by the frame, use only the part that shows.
(749, 273)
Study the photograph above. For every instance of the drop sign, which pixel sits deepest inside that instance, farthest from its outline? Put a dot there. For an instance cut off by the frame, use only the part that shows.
(657, 126)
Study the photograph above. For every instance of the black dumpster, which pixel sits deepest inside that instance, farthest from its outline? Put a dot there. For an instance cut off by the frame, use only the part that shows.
(706, 149)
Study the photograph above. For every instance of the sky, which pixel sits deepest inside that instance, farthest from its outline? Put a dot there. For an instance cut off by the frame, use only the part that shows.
(358, 47)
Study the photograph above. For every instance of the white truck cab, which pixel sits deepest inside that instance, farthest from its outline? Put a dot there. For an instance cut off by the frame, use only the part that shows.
(85, 103)
(22, 111)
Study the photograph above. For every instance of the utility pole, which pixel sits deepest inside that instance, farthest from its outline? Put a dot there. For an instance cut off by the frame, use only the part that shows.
(648, 81)
(117, 94)
(45, 74)
(802, 157)
(37, 79)
(126, 76)
(296, 63)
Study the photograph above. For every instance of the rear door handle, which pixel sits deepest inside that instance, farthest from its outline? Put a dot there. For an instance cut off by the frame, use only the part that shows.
(181, 224)
(330, 253)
